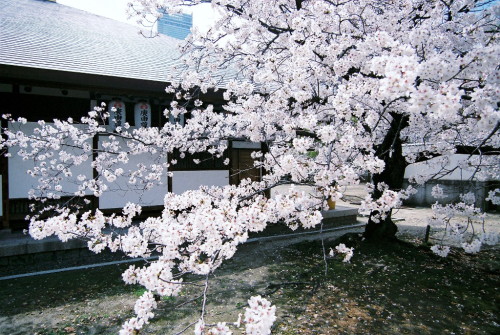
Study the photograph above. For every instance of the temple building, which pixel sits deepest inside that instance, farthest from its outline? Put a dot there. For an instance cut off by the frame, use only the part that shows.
(58, 62)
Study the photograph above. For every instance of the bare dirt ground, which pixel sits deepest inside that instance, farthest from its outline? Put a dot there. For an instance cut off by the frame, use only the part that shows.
(391, 289)
(97, 302)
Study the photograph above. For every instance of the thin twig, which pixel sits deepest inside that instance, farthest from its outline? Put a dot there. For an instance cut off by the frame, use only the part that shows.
(323, 247)
(188, 301)
(187, 327)
(204, 298)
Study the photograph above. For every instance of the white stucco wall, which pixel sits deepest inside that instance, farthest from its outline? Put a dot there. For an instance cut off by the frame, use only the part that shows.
(191, 180)
(20, 182)
(121, 191)
(246, 145)
(436, 164)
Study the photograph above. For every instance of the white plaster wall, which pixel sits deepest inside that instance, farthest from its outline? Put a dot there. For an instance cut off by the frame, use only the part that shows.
(435, 165)
(191, 180)
(246, 145)
(121, 191)
(20, 182)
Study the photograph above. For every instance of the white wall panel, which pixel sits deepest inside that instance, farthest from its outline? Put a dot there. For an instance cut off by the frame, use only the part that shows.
(191, 180)
(122, 191)
(434, 165)
(20, 182)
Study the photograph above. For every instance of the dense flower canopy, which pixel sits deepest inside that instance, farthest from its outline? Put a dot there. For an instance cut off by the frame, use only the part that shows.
(332, 90)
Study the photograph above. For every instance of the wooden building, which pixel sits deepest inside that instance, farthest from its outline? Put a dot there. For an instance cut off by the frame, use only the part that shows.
(58, 62)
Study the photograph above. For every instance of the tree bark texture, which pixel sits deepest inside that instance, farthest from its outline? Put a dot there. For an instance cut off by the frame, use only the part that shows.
(391, 152)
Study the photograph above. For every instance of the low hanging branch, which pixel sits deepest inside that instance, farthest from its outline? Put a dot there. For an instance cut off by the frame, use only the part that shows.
(334, 89)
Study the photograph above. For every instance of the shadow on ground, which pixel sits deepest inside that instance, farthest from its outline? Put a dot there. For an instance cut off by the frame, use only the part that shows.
(399, 288)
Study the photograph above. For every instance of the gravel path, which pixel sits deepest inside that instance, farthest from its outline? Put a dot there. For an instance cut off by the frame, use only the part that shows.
(411, 221)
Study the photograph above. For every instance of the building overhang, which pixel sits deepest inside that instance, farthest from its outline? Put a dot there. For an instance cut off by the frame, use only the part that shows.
(109, 85)
(72, 80)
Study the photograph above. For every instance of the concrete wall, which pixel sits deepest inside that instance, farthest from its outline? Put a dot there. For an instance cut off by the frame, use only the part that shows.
(453, 184)
(191, 180)
(452, 189)
(435, 165)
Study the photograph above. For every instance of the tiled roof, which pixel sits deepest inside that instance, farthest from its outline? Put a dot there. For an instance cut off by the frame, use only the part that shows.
(47, 35)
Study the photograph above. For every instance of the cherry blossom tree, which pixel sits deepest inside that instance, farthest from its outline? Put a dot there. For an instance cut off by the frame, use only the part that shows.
(352, 82)
(331, 89)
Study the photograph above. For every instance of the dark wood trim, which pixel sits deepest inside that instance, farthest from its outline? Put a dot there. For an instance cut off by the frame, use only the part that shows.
(169, 184)
(72, 80)
(95, 146)
(233, 179)
(147, 211)
(239, 157)
(265, 150)
(5, 218)
(4, 171)
(118, 86)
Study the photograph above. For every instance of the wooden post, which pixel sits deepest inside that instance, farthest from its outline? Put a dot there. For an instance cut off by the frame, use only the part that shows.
(265, 149)
(4, 164)
(4, 171)
(95, 147)
(169, 184)
(233, 164)
(427, 233)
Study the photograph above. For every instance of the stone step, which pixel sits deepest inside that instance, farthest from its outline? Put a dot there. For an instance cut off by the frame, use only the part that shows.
(19, 253)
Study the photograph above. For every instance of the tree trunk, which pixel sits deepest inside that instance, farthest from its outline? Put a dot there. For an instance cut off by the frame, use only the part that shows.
(384, 230)
(391, 152)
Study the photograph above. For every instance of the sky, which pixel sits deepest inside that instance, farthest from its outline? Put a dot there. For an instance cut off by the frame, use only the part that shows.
(116, 10)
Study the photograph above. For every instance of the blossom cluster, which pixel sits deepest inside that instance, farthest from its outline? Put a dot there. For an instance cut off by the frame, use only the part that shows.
(220, 329)
(342, 249)
(259, 317)
(143, 309)
(331, 89)
(388, 200)
(458, 220)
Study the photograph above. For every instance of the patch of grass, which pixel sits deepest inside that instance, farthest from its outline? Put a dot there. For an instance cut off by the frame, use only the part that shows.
(168, 299)
(139, 291)
(51, 332)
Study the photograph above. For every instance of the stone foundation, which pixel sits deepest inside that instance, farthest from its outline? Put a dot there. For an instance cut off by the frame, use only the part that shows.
(21, 254)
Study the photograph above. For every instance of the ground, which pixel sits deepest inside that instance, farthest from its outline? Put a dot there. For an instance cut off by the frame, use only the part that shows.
(399, 288)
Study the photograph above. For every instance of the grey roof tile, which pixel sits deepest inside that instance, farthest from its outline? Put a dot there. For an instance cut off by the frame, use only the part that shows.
(47, 35)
